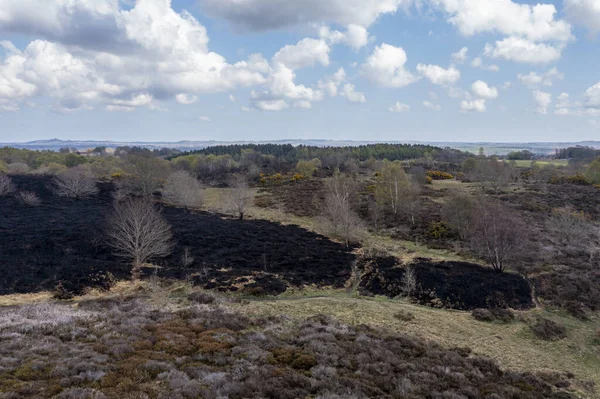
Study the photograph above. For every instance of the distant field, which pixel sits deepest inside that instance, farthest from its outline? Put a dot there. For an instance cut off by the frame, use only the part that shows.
(556, 162)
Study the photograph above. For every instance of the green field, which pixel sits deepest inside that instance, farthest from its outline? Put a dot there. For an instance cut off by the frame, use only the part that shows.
(555, 162)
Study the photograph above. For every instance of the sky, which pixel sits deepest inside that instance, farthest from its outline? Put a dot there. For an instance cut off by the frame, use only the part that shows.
(376, 70)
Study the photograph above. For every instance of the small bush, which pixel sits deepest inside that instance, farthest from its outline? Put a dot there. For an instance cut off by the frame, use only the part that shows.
(438, 230)
(201, 297)
(404, 315)
(549, 330)
(496, 314)
(29, 198)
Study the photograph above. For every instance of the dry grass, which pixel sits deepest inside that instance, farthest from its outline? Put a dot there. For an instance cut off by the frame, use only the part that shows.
(512, 345)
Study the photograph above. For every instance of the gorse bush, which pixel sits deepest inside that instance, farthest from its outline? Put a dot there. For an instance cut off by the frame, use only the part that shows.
(439, 175)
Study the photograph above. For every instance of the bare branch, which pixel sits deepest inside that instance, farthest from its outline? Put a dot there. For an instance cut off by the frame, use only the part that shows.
(75, 183)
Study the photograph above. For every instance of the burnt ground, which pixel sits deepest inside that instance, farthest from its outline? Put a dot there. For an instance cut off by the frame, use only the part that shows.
(63, 240)
(300, 198)
(456, 285)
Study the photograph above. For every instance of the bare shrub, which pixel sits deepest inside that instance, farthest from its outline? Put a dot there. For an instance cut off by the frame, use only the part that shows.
(569, 225)
(75, 183)
(186, 258)
(145, 175)
(29, 198)
(241, 196)
(457, 211)
(18, 168)
(139, 233)
(182, 189)
(340, 220)
(6, 186)
(497, 235)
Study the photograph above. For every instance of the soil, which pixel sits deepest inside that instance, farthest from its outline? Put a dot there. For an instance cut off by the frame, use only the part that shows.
(62, 240)
(300, 198)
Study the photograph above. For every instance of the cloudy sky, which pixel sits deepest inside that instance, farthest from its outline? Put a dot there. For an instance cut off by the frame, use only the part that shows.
(430, 70)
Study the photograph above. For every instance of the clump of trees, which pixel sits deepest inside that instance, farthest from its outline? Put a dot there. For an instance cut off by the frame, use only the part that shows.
(397, 193)
(340, 219)
(75, 183)
(138, 232)
(183, 189)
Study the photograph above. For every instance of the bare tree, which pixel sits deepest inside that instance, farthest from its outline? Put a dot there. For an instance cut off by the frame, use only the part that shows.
(182, 189)
(457, 211)
(6, 186)
(410, 202)
(569, 225)
(186, 258)
(240, 196)
(497, 235)
(75, 183)
(341, 220)
(138, 232)
(409, 281)
(18, 168)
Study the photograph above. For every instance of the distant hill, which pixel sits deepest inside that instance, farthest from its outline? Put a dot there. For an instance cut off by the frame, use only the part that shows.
(187, 145)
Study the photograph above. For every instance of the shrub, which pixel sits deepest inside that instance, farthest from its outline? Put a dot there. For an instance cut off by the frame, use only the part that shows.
(29, 198)
(439, 175)
(495, 314)
(183, 189)
(439, 230)
(549, 330)
(18, 168)
(201, 297)
(6, 186)
(404, 315)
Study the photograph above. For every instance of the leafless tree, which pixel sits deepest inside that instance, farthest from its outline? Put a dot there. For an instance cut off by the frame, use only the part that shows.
(341, 220)
(29, 198)
(240, 195)
(75, 183)
(138, 232)
(6, 186)
(457, 211)
(182, 189)
(391, 186)
(493, 174)
(410, 203)
(497, 235)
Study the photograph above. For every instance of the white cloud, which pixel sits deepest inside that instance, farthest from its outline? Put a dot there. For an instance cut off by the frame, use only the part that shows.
(482, 90)
(349, 91)
(186, 99)
(355, 36)
(460, 56)
(385, 67)
(332, 83)
(522, 50)
(232, 98)
(438, 75)
(533, 79)
(592, 96)
(506, 85)
(535, 23)
(399, 107)
(265, 102)
(430, 105)
(477, 105)
(204, 119)
(306, 53)
(542, 100)
(478, 63)
(276, 14)
(584, 12)
(103, 55)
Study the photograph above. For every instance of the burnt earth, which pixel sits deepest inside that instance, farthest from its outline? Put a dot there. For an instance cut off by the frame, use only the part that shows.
(457, 285)
(62, 240)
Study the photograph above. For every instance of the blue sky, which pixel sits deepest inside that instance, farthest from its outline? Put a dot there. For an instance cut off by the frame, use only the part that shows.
(154, 70)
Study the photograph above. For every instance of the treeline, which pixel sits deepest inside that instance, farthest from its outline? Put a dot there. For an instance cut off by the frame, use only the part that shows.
(578, 153)
(391, 152)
